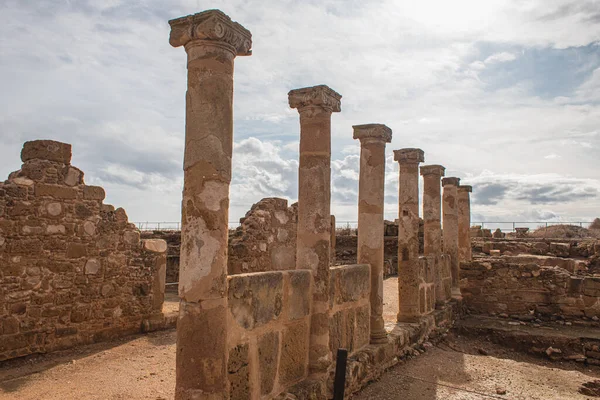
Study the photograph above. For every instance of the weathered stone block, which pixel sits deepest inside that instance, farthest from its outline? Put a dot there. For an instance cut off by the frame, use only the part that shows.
(93, 193)
(76, 250)
(46, 150)
(299, 293)
(155, 245)
(351, 282)
(294, 353)
(239, 373)
(268, 357)
(255, 299)
(55, 191)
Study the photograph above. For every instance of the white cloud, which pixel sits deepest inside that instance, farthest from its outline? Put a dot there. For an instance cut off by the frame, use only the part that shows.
(500, 58)
(102, 76)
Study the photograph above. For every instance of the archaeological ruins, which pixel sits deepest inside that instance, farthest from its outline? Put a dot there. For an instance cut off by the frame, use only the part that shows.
(264, 308)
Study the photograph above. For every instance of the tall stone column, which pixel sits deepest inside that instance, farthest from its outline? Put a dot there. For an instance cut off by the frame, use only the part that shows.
(315, 105)
(373, 138)
(211, 41)
(408, 233)
(464, 223)
(450, 213)
(432, 228)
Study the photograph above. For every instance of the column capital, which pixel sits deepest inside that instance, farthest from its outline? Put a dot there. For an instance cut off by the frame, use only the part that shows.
(433, 170)
(372, 132)
(321, 96)
(451, 181)
(465, 188)
(211, 25)
(409, 156)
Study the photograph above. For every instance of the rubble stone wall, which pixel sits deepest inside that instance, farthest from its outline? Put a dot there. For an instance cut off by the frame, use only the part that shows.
(503, 285)
(265, 239)
(72, 269)
(269, 322)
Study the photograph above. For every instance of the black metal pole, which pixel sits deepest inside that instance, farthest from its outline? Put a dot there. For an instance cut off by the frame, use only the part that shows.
(339, 384)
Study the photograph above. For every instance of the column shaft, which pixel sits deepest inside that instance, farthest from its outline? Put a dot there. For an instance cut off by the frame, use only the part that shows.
(450, 215)
(313, 245)
(464, 223)
(408, 233)
(370, 216)
(432, 228)
(202, 348)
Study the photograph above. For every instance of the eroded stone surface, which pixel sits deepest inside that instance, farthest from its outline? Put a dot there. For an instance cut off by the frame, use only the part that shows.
(450, 220)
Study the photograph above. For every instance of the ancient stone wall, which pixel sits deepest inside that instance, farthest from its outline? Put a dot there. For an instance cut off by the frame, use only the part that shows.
(72, 269)
(503, 285)
(349, 321)
(269, 322)
(265, 239)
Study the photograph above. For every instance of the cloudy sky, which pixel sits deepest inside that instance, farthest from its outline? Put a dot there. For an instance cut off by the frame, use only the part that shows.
(504, 94)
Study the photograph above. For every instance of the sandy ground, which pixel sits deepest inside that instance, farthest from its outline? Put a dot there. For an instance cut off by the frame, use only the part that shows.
(143, 367)
(455, 369)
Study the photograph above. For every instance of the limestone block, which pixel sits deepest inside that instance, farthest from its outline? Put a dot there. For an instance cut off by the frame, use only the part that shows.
(494, 253)
(155, 245)
(22, 181)
(76, 250)
(268, 357)
(294, 351)
(73, 177)
(299, 293)
(56, 191)
(239, 373)
(132, 237)
(46, 150)
(54, 209)
(350, 282)
(93, 193)
(92, 266)
(55, 230)
(255, 299)
(89, 228)
(591, 286)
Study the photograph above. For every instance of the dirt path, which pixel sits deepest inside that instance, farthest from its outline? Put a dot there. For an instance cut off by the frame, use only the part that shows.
(139, 367)
(143, 367)
(457, 370)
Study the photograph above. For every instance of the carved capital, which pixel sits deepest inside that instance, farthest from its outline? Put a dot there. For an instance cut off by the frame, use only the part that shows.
(315, 96)
(451, 181)
(465, 188)
(211, 25)
(409, 156)
(435, 169)
(372, 132)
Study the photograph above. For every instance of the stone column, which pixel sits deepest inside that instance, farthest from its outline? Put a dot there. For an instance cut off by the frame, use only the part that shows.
(464, 223)
(373, 138)
(211, 41)
(432, 228)
(408, 233)
(315, 105)
(450, 213)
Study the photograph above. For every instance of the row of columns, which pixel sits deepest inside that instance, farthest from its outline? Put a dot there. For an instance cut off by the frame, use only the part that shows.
(212, 41)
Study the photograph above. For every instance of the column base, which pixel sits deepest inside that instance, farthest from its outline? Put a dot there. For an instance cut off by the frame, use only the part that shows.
(379, 337)
(408, 318)
(456, 294)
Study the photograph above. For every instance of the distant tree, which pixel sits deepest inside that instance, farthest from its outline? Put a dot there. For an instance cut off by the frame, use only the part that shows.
(595, 224)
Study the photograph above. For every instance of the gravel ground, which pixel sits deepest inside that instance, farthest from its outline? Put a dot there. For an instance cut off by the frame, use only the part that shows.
(143, 367)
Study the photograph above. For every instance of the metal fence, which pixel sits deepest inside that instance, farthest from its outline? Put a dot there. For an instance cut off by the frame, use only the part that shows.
(511, 226)
(493, 225)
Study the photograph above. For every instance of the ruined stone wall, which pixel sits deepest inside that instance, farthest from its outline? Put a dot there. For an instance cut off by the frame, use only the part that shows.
(350, 309)
(504, 285)
(269, 322)
(173, 239)
(265, 239)
(72, 269)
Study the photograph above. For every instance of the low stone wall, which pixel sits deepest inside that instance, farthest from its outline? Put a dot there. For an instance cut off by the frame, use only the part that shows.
(72, 269)
(350, 308)
(265, 239)
(574, 248)
(502, 286)
(268, 331)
